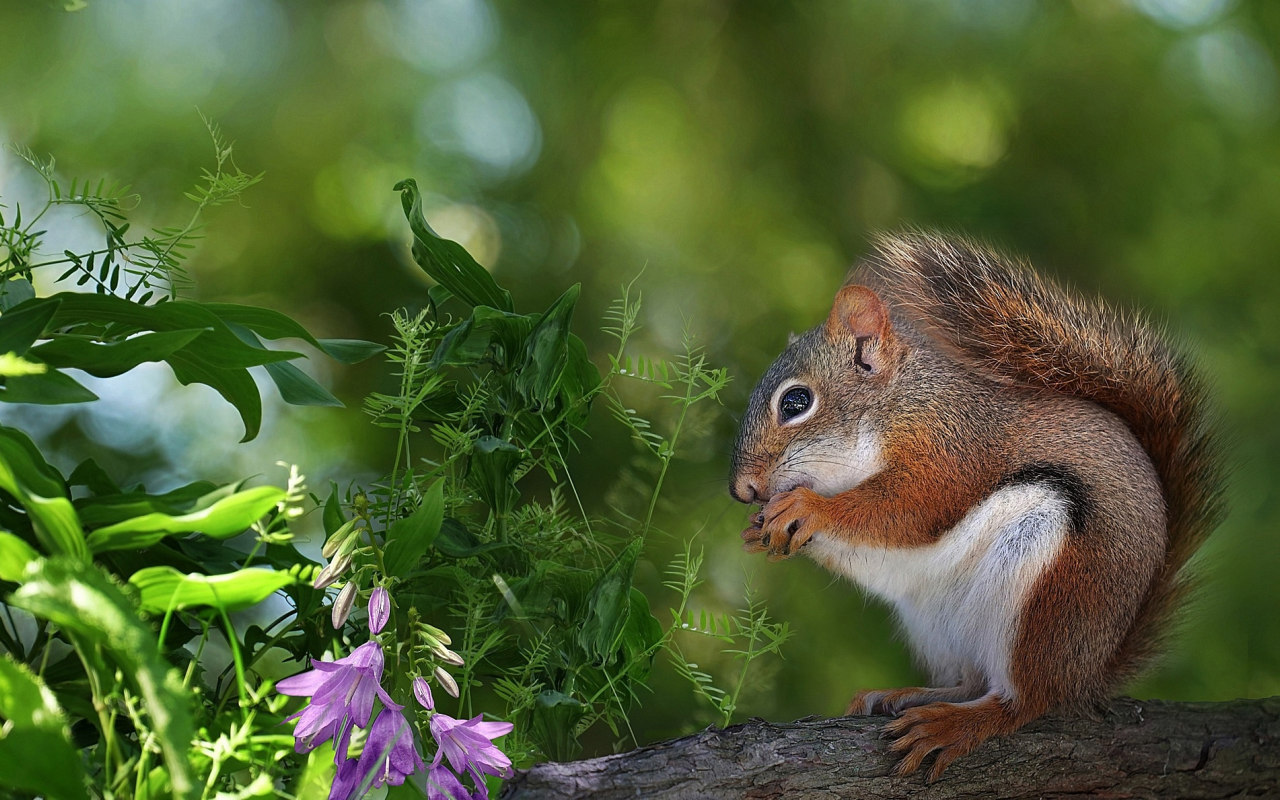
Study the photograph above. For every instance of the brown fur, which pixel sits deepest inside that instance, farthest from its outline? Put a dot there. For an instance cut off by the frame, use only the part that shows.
(1014, 324)
(974, 371)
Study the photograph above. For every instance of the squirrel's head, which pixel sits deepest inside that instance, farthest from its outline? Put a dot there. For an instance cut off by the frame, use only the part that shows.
(812, 419)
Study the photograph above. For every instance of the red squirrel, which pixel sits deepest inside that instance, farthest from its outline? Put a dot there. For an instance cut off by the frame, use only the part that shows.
(1021, 473)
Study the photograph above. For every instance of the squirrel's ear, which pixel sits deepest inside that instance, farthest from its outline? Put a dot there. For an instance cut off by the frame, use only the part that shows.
(860, 315)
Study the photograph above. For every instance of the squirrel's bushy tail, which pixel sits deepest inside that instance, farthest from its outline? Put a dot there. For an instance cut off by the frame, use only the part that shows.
(1008, 320)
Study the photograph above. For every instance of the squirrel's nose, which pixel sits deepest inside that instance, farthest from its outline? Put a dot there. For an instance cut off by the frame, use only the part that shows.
(744, 491)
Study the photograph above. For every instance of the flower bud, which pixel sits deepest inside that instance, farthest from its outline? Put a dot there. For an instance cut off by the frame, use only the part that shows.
(342, 605)
(448, 656)
(335, 541)
(433, 632)
(333, 571)
(446, 682)
(422, 691)
(379, 610)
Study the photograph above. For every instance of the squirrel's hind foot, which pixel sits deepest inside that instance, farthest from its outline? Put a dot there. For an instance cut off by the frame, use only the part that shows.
(950, 729)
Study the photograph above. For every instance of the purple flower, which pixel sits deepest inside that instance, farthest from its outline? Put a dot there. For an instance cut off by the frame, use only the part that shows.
(442, 784)
(341, 695)
(469, 747)
(379, 610)
(422, 691)
(388, 758)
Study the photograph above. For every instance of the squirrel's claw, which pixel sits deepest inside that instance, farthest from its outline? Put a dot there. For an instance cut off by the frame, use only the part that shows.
(789, 521)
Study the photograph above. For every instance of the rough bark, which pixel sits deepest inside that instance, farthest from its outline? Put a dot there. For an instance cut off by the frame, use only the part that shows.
(1136, 749)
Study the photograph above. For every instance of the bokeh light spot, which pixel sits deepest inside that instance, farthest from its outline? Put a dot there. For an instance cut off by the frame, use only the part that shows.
(956, 130)
(1183, 13)
(486, 118)
(1237, 74)
(439, 35)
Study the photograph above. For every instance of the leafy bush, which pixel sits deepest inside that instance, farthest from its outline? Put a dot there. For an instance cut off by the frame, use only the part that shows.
(514, 601)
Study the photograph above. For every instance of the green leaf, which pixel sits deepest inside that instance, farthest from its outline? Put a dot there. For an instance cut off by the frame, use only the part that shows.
(448, 262)
(609, 606)
(410, 537)
(271, 324)
(92, 476)
(109, 508)
(228, 517)
(88, 608)
(641, 636)
(455, 541)
(493, 462)
(15, 555)
(554, 720)
(297, 387)
(36, 754)
(15, 291)
(547, 350)
(39, 488)
(333, 517)
(109, 360)
(161, 589)
(50, 388)
(235, 385)
(216, 345)
(22, 325)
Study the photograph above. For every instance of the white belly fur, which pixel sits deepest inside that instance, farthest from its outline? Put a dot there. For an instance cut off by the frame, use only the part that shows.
(959, 599)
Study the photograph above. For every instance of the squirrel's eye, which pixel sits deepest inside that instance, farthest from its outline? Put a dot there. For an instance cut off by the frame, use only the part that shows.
(795, 402)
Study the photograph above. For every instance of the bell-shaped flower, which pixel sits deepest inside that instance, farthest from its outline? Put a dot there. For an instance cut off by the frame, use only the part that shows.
(389, 757)
(469, 747)
(341, 693)
(442, 784)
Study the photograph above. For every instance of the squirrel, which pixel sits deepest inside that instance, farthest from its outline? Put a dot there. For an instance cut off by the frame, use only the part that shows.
(1021, 473)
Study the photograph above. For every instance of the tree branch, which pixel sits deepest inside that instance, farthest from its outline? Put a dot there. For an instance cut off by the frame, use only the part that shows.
(1135, 749)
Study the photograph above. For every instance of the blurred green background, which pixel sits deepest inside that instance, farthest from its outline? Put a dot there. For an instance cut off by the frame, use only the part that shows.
(739, 154)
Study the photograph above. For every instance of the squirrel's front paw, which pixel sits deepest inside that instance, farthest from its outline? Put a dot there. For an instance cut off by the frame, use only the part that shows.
(790, 521)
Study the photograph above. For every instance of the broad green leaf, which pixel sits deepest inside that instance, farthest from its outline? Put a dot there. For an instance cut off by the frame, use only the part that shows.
(609, 606)
(92, 476)
(15, 555)
(161, 589)
(215, 346)
(235, 385)
(455, 541)
(410, 537)
(461, 347)
(547, 350)
(641, 636)
(295, 386)
(12, 366)
(39, 488)
(81, 601)
(51, 388)
(271, 324)
(298, 388)
(228, 517)
(36, 754)
(15, 291)
(333, 517)
(350, 351)
(21, 325)
(109, 360)
(554, 720)
(448, 262)
(493, 462)
(109, 508)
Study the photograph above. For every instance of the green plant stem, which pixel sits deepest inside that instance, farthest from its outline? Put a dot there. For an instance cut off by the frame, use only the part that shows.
(234, 644)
